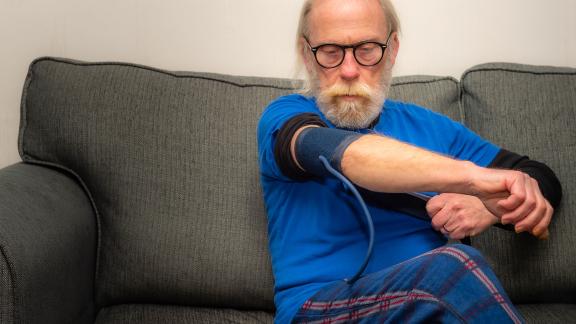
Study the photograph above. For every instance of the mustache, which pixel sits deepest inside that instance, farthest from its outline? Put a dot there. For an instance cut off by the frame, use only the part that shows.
(359, 89)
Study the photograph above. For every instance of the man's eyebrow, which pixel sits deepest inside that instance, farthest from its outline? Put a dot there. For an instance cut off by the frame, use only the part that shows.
(372, 39)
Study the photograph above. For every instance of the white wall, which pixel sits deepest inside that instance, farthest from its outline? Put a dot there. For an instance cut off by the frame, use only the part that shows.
(254, 37)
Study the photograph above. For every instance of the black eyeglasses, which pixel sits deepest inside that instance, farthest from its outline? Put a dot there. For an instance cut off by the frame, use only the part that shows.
(332, 55)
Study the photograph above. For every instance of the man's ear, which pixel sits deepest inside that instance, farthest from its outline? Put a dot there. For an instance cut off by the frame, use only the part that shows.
(394, 45)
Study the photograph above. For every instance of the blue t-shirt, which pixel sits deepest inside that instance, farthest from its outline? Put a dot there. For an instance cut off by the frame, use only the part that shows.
(316, 230)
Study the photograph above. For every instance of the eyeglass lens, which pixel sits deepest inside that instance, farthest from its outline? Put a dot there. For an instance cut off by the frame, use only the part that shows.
(333, 55)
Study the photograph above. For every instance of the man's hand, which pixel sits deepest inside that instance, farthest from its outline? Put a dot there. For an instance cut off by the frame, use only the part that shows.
(515, 198)
(533, 215)
(383, 164)
(459, 215)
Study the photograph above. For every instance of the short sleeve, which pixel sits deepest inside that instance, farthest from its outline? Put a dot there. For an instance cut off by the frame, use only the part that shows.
(273, 118)
(469, 146)
(436, 132)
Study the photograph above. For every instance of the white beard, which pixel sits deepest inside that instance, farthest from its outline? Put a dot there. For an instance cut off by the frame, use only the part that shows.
(357, 113)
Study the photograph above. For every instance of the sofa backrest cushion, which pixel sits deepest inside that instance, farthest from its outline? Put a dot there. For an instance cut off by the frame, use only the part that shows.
(532, 111)
(441, 94)
(170, 162)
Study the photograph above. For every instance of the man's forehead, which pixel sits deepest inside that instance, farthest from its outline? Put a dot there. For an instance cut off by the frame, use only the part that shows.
(347, 21)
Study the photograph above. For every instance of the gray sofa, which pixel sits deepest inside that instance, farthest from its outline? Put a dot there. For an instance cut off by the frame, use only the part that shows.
(138, 198)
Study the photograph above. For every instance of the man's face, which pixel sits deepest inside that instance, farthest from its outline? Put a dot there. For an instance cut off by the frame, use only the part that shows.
(350, 95)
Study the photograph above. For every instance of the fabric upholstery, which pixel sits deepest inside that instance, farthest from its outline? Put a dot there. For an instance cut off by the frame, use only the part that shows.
(441, 94)
(47, 247)
(152, 314)
(548, 313)
(530, 110)
(170, 161)
(7, 302)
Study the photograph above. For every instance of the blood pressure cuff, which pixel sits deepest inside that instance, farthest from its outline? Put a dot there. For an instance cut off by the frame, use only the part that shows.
(310, 144)
(331, 143)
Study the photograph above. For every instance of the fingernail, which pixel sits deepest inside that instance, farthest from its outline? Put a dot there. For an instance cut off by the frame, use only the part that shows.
(542, 235)
(519, 229)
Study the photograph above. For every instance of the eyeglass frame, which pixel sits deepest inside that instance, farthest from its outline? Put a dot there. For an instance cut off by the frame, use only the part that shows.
(314, 50)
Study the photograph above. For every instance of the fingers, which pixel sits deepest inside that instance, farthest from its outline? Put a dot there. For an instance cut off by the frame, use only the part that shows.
(458, 216)
(530, 202)
(536, 201)
(455, 232)
(516, 185)
(444, 231)
(440, 219)
(461, 225)
(537, 223)
(435, 204)
(541, 229)
(442, 211)
(533, 214)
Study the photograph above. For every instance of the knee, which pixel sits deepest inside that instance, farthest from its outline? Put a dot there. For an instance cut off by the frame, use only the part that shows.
(467, 250)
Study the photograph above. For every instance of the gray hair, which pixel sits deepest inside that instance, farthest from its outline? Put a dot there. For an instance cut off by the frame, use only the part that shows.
(304, 31)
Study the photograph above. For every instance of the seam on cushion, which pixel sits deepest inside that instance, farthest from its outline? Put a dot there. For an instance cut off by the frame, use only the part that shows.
(13, 282)
(486, 69)
(23, 110)
(173, 74)
(451, 79)
(461, 109)
(31, 160)
(513, 70)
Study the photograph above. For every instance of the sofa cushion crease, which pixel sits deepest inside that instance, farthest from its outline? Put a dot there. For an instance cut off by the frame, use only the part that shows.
(154, 313)
(8, 299)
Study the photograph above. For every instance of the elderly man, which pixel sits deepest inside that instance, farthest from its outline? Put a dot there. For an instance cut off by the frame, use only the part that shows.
(345, 125)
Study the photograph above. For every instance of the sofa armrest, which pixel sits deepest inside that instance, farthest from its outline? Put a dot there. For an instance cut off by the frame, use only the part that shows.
(48, 237)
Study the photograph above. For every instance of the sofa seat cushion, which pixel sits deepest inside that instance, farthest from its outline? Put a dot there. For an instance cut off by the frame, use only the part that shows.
(153, 314)
(548, 313)
(530, 110)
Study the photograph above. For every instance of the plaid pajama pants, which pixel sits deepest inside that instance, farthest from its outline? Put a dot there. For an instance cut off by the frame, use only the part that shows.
(451, 284)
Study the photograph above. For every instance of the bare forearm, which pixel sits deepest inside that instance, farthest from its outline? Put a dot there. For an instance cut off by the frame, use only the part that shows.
(383, 164)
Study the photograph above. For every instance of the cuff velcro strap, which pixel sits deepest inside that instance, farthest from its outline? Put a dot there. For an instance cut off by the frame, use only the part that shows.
(313, 142)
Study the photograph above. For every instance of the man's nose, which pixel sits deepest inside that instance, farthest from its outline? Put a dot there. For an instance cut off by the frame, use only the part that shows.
(349, 69)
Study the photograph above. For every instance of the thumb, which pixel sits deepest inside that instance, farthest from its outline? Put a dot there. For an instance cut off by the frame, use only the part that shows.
(434, 205)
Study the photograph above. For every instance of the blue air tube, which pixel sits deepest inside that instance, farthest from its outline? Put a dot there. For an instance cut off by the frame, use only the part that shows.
(369, 222)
